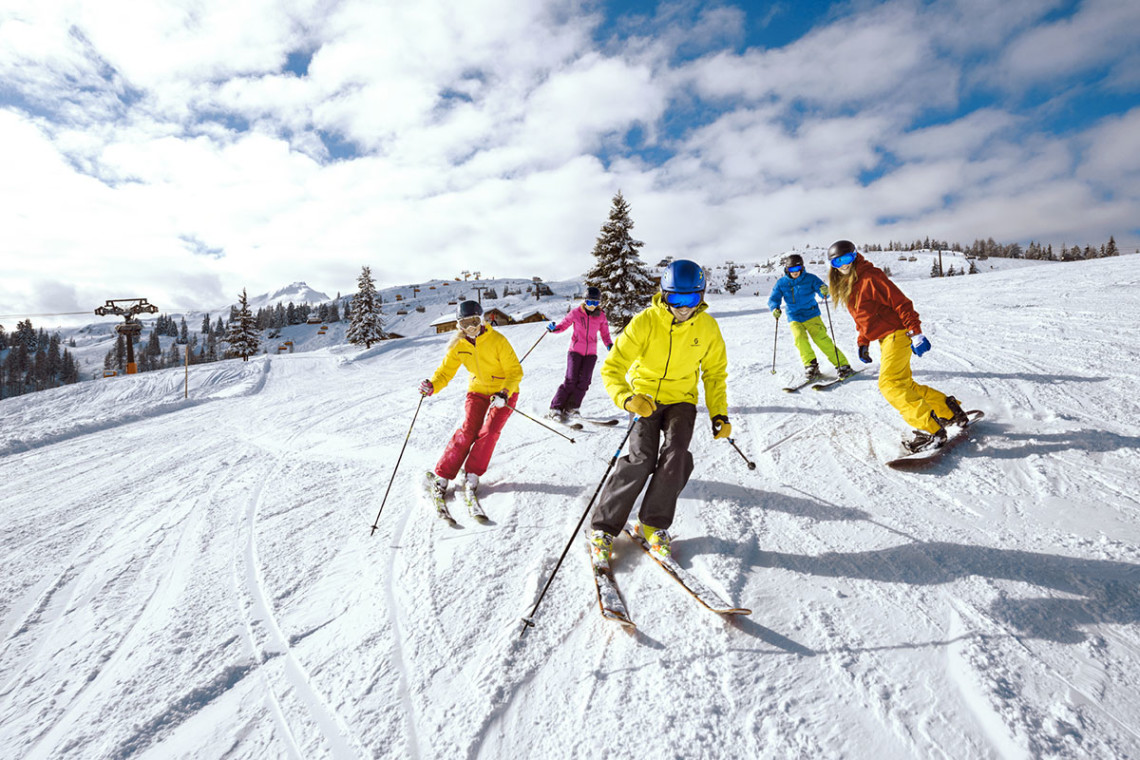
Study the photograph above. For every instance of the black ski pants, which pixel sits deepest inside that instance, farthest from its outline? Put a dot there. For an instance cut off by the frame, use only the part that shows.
(658, 453)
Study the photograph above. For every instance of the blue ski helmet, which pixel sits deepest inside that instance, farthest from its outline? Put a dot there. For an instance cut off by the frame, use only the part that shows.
(683, 276)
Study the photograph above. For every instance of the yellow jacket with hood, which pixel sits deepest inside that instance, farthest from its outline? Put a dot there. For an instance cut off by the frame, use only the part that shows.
(489, 359)
(663, 359)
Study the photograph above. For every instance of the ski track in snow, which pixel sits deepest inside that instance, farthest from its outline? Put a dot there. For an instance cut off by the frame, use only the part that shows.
(198, 578)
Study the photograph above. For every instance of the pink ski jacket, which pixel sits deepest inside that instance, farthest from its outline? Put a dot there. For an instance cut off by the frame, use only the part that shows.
(584, 339)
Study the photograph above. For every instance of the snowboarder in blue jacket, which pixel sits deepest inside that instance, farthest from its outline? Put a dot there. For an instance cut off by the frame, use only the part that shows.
(796, 292)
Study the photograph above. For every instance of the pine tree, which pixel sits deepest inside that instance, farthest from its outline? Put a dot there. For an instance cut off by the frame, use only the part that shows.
(367, 324)
(731, 284)
(1111, 249)
(619, 272)
(242, 336)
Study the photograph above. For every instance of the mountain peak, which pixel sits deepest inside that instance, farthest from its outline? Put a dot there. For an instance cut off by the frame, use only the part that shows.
(297, 293)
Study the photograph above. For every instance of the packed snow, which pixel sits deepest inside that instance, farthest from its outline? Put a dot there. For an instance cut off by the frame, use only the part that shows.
(198, 577)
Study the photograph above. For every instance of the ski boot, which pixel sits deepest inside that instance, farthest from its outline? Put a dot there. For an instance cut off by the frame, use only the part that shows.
(921, 440)
(601, 550)
(556, 414)
(658, 539)
(811, 370)
(844, 371)
(959, 417)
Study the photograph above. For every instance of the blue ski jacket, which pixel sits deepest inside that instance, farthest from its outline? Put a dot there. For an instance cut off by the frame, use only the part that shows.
(799, 293)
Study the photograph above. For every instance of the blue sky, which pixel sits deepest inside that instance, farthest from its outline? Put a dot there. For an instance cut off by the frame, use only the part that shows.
(209, 146)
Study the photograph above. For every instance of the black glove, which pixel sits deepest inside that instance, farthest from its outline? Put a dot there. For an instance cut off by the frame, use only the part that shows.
(865, 354)
(499, 399)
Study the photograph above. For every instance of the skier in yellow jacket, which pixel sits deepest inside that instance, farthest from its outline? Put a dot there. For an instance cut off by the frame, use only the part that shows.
(652, 372)
(495, 374)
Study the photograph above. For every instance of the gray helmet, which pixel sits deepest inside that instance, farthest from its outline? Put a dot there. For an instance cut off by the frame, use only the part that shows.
(839, 248)
(792, 260)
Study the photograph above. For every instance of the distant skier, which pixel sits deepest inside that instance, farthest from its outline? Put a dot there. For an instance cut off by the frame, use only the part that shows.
(883, 313)
(495, 376)
(798, 288)
(652, 372)
(589, 323)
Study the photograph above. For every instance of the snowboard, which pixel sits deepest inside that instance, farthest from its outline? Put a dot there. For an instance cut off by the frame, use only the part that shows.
(955, 434)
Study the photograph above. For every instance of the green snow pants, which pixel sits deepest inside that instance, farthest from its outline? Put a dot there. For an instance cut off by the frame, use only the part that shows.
(818, 333)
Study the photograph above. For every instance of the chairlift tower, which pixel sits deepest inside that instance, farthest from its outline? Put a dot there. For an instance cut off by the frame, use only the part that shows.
(128, 309)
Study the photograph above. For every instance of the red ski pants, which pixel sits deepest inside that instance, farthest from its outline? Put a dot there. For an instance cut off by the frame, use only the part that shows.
(474, 441)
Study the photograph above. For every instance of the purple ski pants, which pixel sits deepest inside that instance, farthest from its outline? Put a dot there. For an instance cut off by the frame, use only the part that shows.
(579, 373)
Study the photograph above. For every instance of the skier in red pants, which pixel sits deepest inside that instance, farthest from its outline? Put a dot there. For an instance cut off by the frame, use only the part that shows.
(495, 376)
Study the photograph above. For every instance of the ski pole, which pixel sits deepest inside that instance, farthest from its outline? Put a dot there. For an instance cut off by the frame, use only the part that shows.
(540, 337)
(751, 464)
(532, 419)
(528, 621)
(834, 344)
(775, 339)
(376, 523)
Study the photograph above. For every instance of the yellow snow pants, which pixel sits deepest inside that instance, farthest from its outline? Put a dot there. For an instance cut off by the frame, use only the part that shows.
(915, 402)
(814, 328)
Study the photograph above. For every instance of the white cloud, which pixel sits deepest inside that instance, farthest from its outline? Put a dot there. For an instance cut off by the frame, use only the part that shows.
(1092, 37)
(1112, 154)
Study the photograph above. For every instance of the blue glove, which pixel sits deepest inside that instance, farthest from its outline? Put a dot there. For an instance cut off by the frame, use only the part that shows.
(552, 327)
(610, 347)
(919, 345)
(865, 354)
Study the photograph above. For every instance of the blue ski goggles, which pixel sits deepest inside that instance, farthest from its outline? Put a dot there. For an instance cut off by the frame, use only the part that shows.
(796, 268)
(683, 300)
(844, 260)
(593, 304)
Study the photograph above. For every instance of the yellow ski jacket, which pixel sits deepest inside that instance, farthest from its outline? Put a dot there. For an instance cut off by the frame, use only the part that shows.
(489, 359)
(663, 359)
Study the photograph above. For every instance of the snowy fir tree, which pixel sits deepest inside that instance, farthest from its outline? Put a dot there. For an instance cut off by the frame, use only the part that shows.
(242, 336)
(731, 283)
(367, 325)
(619, 272)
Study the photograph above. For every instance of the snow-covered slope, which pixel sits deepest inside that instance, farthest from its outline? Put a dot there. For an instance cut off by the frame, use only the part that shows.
(200, 579)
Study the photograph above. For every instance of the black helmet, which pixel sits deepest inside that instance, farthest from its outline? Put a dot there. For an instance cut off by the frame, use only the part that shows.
(593, 294)
(840, 248)
(792, 260)
(468, 309)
